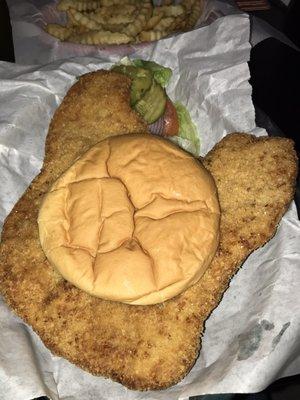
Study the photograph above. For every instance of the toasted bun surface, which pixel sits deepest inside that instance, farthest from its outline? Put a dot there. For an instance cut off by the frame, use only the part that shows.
(135, 220)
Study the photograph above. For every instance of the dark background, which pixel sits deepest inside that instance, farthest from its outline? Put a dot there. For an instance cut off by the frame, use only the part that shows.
(275, 79)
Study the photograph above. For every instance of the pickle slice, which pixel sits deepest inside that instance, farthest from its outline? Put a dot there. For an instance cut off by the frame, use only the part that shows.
(141, 80)
(152, 105)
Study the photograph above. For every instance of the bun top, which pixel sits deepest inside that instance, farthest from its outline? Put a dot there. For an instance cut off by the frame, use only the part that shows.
(135, 220)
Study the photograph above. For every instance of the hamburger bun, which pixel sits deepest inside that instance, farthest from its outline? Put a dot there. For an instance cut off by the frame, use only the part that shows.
(135, 220)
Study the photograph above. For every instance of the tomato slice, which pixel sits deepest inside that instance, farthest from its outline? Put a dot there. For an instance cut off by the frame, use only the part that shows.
(171, 122)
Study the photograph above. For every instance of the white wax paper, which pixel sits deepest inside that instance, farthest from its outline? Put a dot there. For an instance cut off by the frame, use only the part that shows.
(251, 338)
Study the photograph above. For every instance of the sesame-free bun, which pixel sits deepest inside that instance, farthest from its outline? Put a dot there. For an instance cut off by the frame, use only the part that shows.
(135, 220)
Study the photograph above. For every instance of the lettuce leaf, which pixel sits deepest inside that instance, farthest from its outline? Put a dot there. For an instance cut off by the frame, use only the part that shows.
(188, 136)
(162, 75)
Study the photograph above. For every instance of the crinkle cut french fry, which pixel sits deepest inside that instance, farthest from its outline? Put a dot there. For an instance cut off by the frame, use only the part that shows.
(137, 26)
(80, 5)
(150, 36)
(110, 11)
(169, 11)
(71, 20)
(179, 23)
(81, 29)
(187, 4)
(146, 8)
(195, 14)
(139, 23)
(64, 5)
(114, 27)
(58, 31)
(154, 20)
(98, 17)
(124, 9)
(113, 19)
(108, 3)
(164, 24)
(101, 37)
(120, 19)
(84, 20)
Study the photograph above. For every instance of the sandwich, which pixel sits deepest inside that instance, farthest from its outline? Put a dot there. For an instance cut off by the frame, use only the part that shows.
(139, 334)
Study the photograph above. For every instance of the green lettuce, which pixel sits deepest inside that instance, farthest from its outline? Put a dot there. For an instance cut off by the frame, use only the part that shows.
(188, 137)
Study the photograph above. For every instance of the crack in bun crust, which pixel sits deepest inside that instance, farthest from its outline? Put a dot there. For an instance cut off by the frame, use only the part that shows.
(143, 347)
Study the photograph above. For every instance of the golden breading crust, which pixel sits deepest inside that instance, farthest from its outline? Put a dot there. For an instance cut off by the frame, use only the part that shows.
(96, 107)
(143, 347)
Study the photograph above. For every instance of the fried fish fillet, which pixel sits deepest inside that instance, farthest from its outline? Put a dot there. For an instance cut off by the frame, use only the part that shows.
(143, 347)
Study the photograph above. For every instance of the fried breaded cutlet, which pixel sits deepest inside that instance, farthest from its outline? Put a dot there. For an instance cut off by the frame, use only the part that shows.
(96, 107)
(143, 347)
